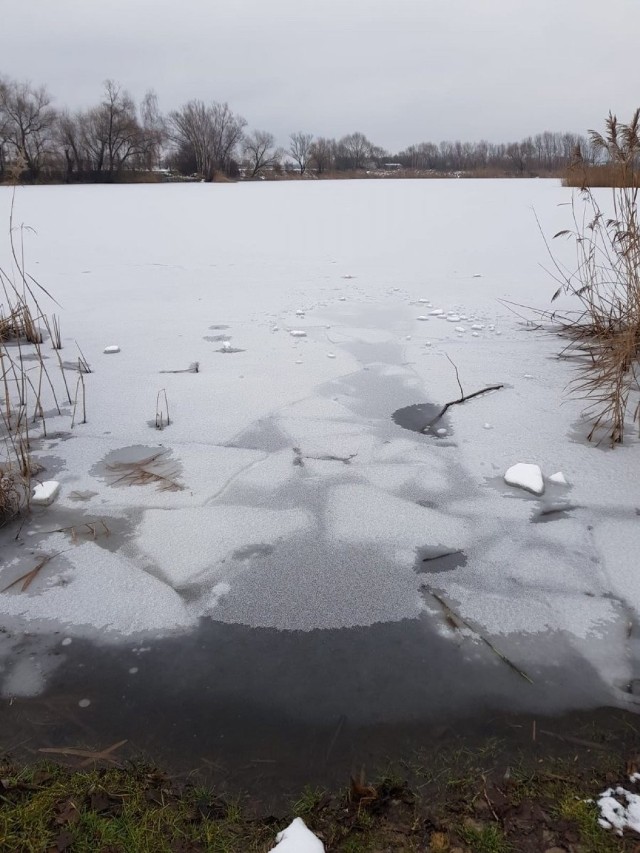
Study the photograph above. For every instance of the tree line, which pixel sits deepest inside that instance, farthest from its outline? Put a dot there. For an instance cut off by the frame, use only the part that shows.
(117, 139)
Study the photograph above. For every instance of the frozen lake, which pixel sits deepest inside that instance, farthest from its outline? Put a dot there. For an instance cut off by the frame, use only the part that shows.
(298, 554)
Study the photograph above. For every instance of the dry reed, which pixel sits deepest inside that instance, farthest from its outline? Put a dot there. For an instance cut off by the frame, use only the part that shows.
(604, 334)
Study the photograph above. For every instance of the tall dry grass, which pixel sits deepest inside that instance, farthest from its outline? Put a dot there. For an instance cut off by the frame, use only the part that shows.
(28, 389)
(604, 333)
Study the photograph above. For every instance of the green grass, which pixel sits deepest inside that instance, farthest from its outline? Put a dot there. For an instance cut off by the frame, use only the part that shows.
(116, 810)
(486, 839)
(460, 799)
(585, 816)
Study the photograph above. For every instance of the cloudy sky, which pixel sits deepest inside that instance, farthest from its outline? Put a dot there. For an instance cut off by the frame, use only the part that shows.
(401, 71)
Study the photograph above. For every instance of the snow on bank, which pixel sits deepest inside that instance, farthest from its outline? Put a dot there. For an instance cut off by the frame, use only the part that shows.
(619, 810)
(296, 838)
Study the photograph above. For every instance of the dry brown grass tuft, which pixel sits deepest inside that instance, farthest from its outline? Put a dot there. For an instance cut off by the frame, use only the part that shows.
(605, 332)
(26, 384)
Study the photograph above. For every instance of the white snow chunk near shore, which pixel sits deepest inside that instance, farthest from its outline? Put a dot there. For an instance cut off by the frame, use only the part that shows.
(559, 479)
(45, 493)
(111, 349)
(525, 476)
(296, 838)
(615, 813)
(297, 333)
(437, 312)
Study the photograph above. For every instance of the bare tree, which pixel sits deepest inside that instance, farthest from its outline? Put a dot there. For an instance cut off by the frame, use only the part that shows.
(120, 122)
(322, 153)
(355, 150)
(228, 131)
(300, 149)
(26, 123)
(211, 133)
(260, 152)
(68, 139)
(111, 137)
(192, 129)
(154, 130)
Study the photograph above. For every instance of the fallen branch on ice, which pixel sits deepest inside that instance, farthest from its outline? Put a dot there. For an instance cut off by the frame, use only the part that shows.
(462, 399)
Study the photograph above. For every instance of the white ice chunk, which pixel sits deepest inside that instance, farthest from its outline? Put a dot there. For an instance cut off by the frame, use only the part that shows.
(559, 479)
(297, 333)
(422, 317)
(331, 355)
(437, 312)
(525, 476)
(296, 838)
(453, 318)
(477, 327)
(45, 493)
(300, 312)
(460, 329)
(111, 349)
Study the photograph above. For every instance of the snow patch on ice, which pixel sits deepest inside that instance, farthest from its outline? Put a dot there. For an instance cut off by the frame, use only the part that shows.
(525, 476)
(45, 493)
(559, 479)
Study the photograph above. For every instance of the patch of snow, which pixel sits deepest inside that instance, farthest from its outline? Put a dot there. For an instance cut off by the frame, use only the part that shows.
(296, 838)
(111, 349)
(298, 333)
(477, 327)
(84, 703)
(619, 810)
(422, 317)
(559, 479)
(460, 329)
(525, 476)
(453, 318)
(45, 493)
(437, 312)
(331, 355)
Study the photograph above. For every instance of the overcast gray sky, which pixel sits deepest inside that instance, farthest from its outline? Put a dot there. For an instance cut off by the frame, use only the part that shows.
(401, 71)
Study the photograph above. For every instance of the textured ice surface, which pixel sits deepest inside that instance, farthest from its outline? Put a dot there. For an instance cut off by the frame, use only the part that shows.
(300, 504)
